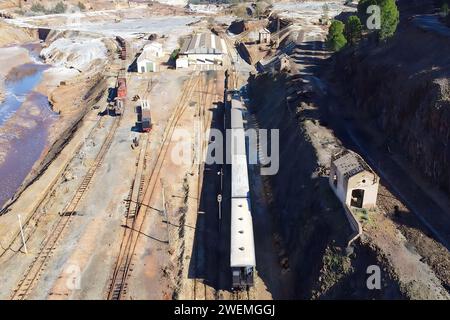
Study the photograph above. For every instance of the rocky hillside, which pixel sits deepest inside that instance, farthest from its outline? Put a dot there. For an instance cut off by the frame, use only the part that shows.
(403, 87)
(12, 35)
(312, 226)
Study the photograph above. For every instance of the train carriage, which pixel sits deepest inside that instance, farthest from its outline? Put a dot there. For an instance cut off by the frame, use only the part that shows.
(239, 181)
(242, 253)
(242, 249)
(237, 121)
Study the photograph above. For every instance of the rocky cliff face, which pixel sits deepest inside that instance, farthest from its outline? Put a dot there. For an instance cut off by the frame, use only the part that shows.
(10, 34)
(312, 227)
(403, 86)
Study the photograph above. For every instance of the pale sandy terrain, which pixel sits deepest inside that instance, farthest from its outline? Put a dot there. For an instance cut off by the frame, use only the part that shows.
(12, 35)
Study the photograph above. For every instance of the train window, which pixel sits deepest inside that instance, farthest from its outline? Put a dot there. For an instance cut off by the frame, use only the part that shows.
(240, 205)
(241, 218)
(241, 248)
(241, 231)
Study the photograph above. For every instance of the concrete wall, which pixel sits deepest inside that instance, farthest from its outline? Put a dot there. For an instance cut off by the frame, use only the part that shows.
(182, 63)
(143, 64)
(207, 58)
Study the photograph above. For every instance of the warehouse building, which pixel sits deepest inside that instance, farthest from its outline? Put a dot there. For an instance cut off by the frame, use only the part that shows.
(204, 48)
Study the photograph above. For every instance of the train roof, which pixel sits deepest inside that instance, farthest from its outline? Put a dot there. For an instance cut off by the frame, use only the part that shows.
(239, 177)
(242, 253)
(237, 120)
(236, 102)
(238, 142)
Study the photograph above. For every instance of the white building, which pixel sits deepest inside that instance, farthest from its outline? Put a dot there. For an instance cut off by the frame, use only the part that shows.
(155, 48)
(353, 181)
(148, 60)
(182, 63)
(204, 48)
(264, 36)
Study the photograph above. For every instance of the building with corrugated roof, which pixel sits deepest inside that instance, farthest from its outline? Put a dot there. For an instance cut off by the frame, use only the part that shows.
(203, 48)
(353, 181)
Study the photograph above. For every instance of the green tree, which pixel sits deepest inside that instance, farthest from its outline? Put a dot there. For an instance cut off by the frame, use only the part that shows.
(37, 7)
(390, 18)
(59, 8)
(336, 39)
(444, 9)
(353, 30)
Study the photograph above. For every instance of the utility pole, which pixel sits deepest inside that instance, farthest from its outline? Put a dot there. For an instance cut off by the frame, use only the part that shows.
(219, 201)
(21, 233)
(165, 211)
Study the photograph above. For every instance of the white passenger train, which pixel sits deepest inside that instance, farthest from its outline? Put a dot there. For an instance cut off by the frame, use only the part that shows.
(242, 252)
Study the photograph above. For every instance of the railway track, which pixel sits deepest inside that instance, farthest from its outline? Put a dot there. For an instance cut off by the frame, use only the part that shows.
(241, 295)
(117, 286)
(49, 244)
(200, 290)
(136, 213)
(31, 223)
(207, 96)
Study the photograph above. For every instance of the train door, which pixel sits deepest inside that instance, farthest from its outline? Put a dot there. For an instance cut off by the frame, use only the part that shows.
(236, 281)
(249, 276)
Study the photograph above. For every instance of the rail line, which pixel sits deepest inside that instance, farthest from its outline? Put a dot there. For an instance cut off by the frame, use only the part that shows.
(50, 242)
(199, 286)
(134, 222)
(31, 223)
(200, 289)
(117, 285)
(241, 295)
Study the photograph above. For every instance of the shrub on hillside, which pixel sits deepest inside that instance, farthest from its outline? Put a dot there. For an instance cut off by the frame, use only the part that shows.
(353, 30)
(37, 7)
(389, 16)
(59, 8)
(336, 39)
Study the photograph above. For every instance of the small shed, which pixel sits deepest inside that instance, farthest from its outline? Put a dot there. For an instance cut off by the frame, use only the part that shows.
(148, 60)
(147, 65)
(352, 180)
(264, 36)
(155, 49)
